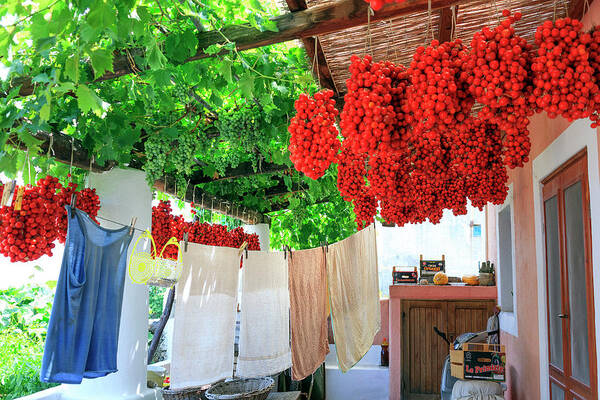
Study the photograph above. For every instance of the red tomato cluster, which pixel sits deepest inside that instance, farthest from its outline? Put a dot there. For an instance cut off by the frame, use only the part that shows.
(351, 172)
(29, 233)
(377, 4)
(313, 143)
(412, 143)
(563, 77)
(87, 201)
(370, 119)
(365, 209)
(165, 225)
(437, 97)
(497, 72)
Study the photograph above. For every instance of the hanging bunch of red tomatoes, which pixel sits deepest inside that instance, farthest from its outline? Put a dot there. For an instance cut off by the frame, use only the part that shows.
(313, 142)
(563, 77)
(165, 225)
(413, 145)
(498, 74)
(29, 233)
(369, 120)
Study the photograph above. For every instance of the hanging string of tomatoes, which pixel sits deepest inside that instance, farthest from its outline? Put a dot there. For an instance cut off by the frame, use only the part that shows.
(413, 142)
(165, 225)
(29, 227)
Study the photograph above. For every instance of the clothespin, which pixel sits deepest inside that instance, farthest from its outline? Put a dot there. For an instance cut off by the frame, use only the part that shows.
(242, 248)
(185, 241)
(9, 187)
(132, 226)
(326, 247)
(73, 204)
(286, 249)
(19, 199)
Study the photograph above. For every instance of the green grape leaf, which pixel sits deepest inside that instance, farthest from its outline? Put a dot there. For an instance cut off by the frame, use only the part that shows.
(45, 112)
(246, 83)
(216, 99)
(162, 77)
(213, 49)
(102, 15)
(72, 68)
(102, 61)
(170, 132)
(154, 57)
(225, 70)
(87, 100)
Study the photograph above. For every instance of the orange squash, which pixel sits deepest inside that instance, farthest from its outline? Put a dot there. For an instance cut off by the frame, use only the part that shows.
(440, 278)
(470, 280)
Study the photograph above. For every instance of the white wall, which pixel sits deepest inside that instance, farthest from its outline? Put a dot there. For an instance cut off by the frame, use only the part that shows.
(453, 237)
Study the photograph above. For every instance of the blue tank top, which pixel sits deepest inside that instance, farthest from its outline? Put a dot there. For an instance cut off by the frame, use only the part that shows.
(83, 330)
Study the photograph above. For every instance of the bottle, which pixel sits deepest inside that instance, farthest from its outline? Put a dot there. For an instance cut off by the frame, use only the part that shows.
(385, 355)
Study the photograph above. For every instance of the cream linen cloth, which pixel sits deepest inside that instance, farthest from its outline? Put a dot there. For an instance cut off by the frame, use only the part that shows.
(308, 311)
(354, 295)
(205, 312)
(265, 316)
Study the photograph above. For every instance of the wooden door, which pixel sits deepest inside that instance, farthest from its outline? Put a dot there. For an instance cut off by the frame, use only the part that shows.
(570, 294)
(468, 316)
(423, 351)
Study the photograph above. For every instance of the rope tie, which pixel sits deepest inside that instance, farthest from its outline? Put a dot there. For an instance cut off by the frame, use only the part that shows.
(429, 29)
(71, 162)
(50, 149)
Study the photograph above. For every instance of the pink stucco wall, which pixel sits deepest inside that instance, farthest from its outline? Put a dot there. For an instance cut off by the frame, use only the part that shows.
(523, 377)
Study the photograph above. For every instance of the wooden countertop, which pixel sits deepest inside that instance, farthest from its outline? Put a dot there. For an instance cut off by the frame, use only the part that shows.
(442, 292)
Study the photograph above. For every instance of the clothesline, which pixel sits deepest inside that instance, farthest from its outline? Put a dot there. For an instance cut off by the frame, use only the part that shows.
(119, 223)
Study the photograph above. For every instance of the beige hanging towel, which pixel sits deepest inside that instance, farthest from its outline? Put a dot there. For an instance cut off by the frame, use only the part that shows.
(308, 311)
(205, 312)
(354, 295)
(265, 316)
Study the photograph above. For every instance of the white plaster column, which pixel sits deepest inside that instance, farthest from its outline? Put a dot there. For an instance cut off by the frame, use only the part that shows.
(263, 232)
(123, 194)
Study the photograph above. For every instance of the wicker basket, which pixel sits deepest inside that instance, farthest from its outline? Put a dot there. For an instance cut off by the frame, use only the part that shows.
(241, 389)
(182, 394)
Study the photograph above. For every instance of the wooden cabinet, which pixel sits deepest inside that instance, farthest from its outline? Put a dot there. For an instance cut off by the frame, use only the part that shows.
(423, 351)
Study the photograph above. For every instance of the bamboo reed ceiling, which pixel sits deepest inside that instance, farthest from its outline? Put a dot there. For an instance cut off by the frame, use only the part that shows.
(398, 38)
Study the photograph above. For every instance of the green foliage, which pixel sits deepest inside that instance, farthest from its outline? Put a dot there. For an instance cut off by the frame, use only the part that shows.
(156, 295)
(173, 116)
(20, 361)
(310, 226)
(24, 315)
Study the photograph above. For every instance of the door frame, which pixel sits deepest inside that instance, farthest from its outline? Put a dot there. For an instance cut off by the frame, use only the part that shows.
(577, 137)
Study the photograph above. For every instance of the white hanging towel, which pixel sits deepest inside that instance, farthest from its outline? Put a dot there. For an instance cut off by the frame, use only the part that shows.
(354, 295)
(265, 306)
(205, 312)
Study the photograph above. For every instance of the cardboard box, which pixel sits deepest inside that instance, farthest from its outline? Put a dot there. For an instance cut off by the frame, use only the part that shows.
(480, 361)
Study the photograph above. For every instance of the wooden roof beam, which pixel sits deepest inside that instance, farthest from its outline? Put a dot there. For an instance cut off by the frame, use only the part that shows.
(61, 151)
(213, 203)
(577, 9)
(243, 170)
(319, 64)
(315, 21)
(445, 26)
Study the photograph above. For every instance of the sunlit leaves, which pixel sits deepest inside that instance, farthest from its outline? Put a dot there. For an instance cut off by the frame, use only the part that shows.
(155, 57)
(102, 61)
(88, 100)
